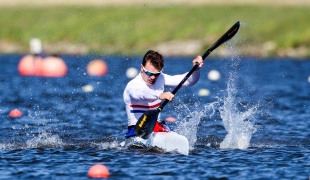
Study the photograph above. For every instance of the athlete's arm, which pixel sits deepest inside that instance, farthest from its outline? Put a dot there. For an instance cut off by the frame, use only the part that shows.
(173, 81)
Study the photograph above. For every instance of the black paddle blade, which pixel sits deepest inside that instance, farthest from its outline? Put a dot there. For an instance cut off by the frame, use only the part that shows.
(146, 123)
(227, 36)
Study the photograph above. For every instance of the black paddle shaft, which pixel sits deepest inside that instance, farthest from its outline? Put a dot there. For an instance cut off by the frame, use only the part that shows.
(228, 35)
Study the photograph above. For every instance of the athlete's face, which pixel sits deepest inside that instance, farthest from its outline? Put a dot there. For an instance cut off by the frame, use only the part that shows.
(150, 73)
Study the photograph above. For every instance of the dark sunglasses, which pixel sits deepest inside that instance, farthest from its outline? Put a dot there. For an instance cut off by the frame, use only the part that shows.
(149, 73)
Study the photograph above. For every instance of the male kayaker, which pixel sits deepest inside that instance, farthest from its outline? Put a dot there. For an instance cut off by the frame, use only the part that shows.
(146, 90)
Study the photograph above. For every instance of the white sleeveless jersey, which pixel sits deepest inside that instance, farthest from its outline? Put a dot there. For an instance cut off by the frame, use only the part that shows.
(140, 97)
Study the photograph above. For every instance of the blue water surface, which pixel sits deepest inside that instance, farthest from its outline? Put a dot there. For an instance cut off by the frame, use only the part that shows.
(64, 130)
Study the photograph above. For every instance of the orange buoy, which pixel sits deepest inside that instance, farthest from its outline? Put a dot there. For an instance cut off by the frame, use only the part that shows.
(98, 171)
(53, 67)
(30, 65)
(15, 113)
(97, 67)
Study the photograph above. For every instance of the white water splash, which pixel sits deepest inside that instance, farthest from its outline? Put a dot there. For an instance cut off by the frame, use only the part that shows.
(45, 139)
(107, 145)
(6, 146)
(188, 126)
(237, 123)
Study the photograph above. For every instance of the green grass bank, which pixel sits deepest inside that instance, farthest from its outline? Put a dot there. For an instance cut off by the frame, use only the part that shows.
(131, 30)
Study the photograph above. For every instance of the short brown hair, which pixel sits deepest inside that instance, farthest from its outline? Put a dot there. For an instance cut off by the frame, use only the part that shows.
(155, 58)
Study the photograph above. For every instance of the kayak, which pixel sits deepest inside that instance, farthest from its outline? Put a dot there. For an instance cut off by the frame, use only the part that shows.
(160, 141)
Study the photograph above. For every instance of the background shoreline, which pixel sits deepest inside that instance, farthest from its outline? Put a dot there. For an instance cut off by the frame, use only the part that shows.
(183, 28)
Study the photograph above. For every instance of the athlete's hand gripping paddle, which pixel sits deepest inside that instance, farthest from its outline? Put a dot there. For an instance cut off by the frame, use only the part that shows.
(146, 122)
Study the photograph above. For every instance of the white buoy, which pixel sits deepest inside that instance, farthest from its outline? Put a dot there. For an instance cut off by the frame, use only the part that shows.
(131, 72)
(35, 46)
(309, 79)
(214, 75)
(88, 88)
(203, 92)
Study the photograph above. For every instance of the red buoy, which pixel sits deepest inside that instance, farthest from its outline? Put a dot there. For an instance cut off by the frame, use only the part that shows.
(53, 67)
(98, 171)
(30, 65)
(15, 113)
(170, 119)
(97, 67)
